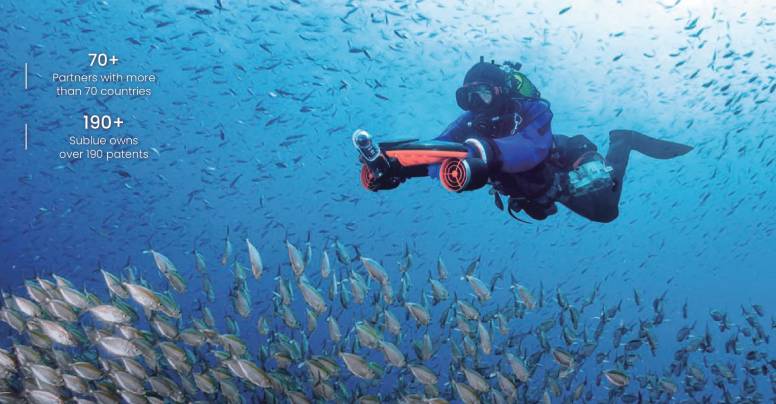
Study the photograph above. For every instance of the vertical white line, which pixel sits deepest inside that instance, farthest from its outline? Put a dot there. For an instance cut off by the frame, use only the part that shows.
(25, 76)
(25, 136)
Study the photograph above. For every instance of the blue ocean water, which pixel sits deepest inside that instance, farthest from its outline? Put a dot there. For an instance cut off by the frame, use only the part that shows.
(248, 128)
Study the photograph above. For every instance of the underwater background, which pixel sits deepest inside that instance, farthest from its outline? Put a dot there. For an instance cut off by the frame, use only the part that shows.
(248, 129)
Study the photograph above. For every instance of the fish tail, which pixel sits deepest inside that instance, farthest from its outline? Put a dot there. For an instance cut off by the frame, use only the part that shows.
(358, 254)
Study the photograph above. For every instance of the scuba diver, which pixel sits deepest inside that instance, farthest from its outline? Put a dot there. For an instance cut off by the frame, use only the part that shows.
(504, 139)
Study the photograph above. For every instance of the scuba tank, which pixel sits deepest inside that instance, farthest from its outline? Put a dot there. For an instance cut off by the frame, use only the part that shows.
(518, 82)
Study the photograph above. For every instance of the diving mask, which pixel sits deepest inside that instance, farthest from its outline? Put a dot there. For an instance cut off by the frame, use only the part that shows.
(475, 96)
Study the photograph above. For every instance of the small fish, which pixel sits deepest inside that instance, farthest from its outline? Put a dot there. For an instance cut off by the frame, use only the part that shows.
(472, 267)
(519, 367)
(334, 330)
(110, 314)
(617, 378)
(375, 270)
(359, 367)
(257, 267)
(262, 326)
(199, 262)
(391, 323)
(312, 296)
(423, 374)
(485, 340)
(57, 332)
(480, 289)
(143, 296)
(119, 346)
(438, 291)
(692, 24)
(325, 265)
(342, 255)
(441, 269)
(466, 393)
(227, 249)
(419, 313)
(393, 355)
(563, 358)
(295, 258)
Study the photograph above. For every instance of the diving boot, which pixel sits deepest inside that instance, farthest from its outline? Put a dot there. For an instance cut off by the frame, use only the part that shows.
(648, 146)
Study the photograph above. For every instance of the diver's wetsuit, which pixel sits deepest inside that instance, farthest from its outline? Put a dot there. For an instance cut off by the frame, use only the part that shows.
(534, 163)
(603, 205)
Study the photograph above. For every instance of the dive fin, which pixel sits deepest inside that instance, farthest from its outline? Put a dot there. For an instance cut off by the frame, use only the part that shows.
(649, 146)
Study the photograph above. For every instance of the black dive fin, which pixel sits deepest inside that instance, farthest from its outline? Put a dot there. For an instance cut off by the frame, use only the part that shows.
(649, 146)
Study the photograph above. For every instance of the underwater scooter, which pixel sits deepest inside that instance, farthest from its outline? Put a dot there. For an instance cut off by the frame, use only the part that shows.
(388, 164)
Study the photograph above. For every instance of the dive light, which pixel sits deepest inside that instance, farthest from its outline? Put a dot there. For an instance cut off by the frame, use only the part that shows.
(370, 154)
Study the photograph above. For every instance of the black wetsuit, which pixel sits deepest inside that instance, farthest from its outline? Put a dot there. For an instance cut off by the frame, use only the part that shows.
(603, 205)
(535, 175)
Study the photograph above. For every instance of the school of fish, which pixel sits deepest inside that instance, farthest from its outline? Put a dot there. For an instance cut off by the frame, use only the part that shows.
(331, 330)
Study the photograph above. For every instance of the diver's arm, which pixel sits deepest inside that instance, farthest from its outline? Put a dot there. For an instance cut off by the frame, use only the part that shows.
(455, 132)
(531, 144)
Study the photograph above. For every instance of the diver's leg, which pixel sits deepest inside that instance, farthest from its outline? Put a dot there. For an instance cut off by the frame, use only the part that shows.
(603, 205)
(599, 206)
(648, 146)
(621, 142)
(617, 158)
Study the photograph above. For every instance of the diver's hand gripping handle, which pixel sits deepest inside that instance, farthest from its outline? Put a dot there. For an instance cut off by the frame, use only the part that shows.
(392, 177)
(379, 172)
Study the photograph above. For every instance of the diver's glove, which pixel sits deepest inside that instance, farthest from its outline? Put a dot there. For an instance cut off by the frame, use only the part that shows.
(486, 150)
(386, 183)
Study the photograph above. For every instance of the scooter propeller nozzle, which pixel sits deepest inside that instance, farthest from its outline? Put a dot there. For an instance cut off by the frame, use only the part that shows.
(459, 175)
